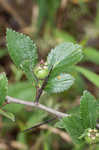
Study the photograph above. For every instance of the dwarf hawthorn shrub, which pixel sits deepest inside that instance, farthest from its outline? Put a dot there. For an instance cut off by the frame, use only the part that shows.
(52, 76)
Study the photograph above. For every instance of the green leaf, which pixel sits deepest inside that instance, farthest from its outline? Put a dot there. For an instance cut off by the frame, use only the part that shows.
(7, 114)
(88, 110)
(91, 54)
(59, 83)
(91, 76)
(3, 88)
(73, 125)
(23, 51)
(63, 56)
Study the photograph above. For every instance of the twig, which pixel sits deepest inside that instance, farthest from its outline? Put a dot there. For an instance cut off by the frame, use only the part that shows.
(40, 124)
(39, 92)
(40, 106)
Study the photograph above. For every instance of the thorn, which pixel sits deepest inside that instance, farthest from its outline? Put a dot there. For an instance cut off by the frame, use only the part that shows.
(40, 124)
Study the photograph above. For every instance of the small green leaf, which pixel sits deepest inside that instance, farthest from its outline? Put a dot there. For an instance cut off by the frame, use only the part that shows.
(3, 88)
(59, 83)
(73, 125)
(7, 114)
(64, 55)
(88, 110)
(91, 76)
(22, 51)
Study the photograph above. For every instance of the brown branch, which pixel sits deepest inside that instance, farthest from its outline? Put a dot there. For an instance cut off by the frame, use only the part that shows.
(40, 91)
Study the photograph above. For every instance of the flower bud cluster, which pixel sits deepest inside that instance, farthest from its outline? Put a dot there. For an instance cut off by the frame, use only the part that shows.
(41, 71)
(92, 136)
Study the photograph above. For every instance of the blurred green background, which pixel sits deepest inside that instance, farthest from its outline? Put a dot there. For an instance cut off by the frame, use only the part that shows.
(48, 23)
